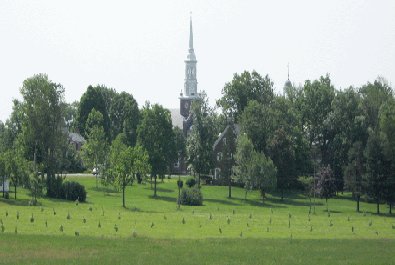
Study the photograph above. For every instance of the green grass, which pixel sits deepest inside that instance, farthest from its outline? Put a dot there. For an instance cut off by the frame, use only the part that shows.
(28, 249)
(239, 231)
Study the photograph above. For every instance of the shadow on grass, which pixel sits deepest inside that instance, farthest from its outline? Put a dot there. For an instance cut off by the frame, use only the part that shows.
(18, 202)
(104, 189)
(289, 195)
(163, 198)
(243, 202)
(331, 211)
(159, 189)
(380, 214)
(113, 194)
(133, 209)
(291, 202)
(222, 201)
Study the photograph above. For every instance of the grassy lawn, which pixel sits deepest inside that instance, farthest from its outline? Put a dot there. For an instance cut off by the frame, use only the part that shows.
(223, 231)
(29, 249)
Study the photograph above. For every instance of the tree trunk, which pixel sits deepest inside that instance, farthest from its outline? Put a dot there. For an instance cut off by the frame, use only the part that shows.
(3, 185)
(282, 194)
(390, 207)
(327, 207)
(15, 191)
(358, 198)
(96, 175)
(123, 195)
(151, 181)
(199, 180)
(230, 189)
(179, 194)
(155, 185)
(378, 206)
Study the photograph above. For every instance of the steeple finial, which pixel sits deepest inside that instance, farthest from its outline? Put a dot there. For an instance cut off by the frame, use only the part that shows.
(190, 32)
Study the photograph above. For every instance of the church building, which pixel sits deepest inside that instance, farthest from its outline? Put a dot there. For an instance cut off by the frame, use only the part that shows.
(187, 96)
(189, 93)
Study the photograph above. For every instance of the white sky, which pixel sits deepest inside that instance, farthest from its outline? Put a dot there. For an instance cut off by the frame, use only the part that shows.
(140, 46)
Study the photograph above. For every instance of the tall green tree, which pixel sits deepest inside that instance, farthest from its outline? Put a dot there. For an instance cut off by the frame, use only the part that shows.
(243, 158)
(378, 163)
(316, 106)
(374, 95)
(120, 112)
(94, 98)
(343, 129)
(155, 134)
(387, 128)
(201, 137)
(94, 151)
(42, 124)
(253, 169)
(326, 186)
(257, 122)
(124, 117)
(264, 173)
(354, 171)
(15, 167)
(180, 146)
(243, 88)
(2, 172)
(281, 150)
(125, 162)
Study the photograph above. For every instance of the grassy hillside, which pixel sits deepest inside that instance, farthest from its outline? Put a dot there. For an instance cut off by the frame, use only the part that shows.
(281, 230)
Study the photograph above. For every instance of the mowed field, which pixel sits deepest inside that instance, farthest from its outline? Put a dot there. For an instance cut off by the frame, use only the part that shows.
(222, 231)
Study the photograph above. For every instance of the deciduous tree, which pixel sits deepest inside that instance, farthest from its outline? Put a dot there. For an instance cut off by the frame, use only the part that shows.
(155, 134)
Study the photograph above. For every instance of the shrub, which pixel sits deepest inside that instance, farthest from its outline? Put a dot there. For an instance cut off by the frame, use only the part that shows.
(72, 191)
(190, 182)
(191, 196)
(180, 183)
(55, 187)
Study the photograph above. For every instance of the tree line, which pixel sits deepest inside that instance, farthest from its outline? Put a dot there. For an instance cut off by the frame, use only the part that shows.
(123, 142)
(313, 135)
(343, 139)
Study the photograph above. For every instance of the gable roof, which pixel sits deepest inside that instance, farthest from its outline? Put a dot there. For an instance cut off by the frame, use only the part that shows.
(222, 135)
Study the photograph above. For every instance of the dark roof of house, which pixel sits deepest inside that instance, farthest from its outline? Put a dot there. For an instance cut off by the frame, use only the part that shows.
(236, 130)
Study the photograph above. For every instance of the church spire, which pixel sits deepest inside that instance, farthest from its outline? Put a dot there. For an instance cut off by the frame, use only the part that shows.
(190, 34)
(190, 82)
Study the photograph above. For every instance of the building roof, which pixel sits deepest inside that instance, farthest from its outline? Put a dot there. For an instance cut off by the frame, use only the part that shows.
(236, 131)
(76, 138)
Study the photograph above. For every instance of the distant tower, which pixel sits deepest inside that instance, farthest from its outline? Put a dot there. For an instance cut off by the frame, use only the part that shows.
(288, 83)
(190, 84)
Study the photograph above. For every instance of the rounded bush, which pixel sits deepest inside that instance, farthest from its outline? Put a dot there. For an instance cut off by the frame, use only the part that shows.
(191, 196)
(180, 183)
(190, 182)
(73, 190)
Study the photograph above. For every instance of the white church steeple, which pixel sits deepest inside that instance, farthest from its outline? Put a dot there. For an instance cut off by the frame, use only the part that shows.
(190, 81)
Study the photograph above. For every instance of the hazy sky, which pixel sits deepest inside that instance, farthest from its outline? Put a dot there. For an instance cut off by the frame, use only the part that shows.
(140, 46)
